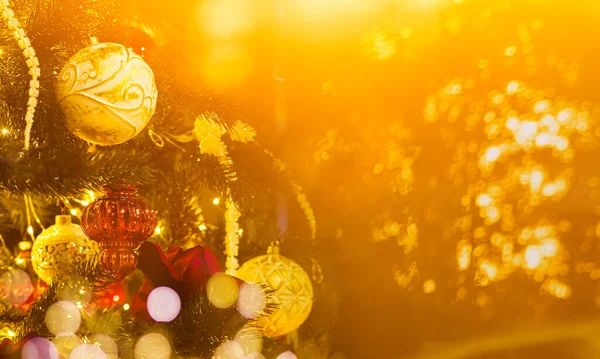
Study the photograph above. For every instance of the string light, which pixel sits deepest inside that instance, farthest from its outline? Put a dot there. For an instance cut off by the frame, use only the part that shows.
(216, 201)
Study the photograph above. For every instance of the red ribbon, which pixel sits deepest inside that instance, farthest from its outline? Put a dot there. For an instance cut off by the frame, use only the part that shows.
(186, 272)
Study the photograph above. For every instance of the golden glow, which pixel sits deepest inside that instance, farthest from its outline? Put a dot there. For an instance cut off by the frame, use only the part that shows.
(533, 257)
(126, 306)
(429, 286)
(216, 201)
(381, 45)
(225, 65)
(510, 51)
(157, 230)
(463, 255)
(116, 298)
(484, 200)
(557, 289)
(30, 230)
(4, 131)
(73, 212)
(202, 227)
(226, 18)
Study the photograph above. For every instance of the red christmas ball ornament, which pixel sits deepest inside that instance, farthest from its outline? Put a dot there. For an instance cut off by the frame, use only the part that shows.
(119, 221)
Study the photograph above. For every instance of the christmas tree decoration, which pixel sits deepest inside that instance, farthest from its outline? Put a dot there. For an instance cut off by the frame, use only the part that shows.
(232, 236)
(32, 63)
(60, 247)
(119, 221)
(107, 93)
(291, 286)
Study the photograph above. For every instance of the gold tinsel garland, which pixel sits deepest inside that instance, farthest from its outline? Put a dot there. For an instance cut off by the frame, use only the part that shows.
(232, 237)
(32, 63)
(209, 135)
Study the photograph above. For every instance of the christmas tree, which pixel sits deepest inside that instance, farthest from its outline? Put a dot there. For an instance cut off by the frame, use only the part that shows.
(131, 195)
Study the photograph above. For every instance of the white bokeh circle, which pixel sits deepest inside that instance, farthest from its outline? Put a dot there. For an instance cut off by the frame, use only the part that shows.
(39, 348)
(87, 351)
(63, 317)
(163, 304)
(251, 300)
(229, 350)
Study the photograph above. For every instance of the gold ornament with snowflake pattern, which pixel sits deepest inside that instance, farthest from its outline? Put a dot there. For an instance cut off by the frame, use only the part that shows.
(291, 286)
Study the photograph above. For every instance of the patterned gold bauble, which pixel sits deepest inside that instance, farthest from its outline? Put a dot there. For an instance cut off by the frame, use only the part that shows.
(292, 290)
(107, 93)
(60, 247)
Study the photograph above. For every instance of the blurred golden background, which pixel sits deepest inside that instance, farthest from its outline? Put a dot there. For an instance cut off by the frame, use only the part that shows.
(449, 148)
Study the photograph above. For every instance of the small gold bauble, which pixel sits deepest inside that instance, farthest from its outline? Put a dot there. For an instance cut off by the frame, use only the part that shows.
(59, 247)
(291, 286)
(107, 93)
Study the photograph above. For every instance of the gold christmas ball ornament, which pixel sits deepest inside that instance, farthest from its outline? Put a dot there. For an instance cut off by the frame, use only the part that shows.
(291, 286)
(59, 247)
(107, 93)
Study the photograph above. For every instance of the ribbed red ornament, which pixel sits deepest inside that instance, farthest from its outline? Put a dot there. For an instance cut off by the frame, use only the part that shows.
(119, 221)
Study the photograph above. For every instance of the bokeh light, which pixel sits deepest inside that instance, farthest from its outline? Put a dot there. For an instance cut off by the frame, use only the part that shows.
(222, 290)
(15, 287)
(287, 355)
(80, 294)
(254, 356)
(153, 346)
(107, 344)
(226, 18)
(87, 351)
(251, 300)
(250, 339)
(63, 318)
(65, 343)
(163, 304)
(429, 286)
(229, 350)
(226, 65)
(39, 348)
